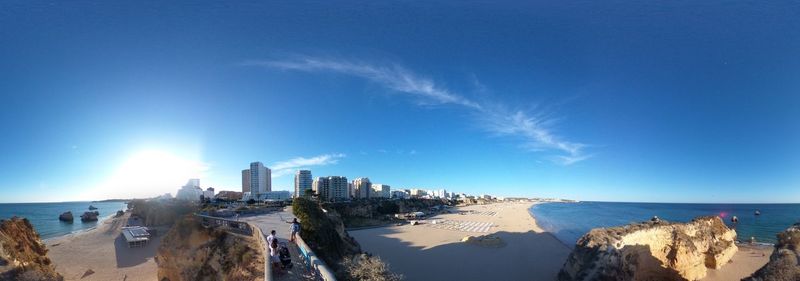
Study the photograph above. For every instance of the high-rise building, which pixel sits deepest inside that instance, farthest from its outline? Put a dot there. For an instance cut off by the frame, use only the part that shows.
(208, 193)
(320, 186)
(361, 188)
(246, 180)
(191, 191)
(332, 189)
(338, 188)
(302, 182)
(260, 178)
(381, 191)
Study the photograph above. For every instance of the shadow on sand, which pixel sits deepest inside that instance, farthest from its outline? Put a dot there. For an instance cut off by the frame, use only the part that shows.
(527, 256)
(127, 257)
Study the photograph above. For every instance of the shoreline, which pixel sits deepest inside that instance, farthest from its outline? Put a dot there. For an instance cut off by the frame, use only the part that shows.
(439, 242)
(101, 253)
(99, 223)
(528, 210)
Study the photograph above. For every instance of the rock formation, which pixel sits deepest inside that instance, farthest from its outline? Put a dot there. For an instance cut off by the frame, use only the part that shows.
(23, 256)
(191, 252)
(784, 263)
(66, 216)
(89, 216)
(655, 250)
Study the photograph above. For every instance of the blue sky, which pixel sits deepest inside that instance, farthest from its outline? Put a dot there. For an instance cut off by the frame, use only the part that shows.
(672, 101)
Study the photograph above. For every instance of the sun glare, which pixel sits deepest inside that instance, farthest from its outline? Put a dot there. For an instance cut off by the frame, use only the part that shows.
(151, 172)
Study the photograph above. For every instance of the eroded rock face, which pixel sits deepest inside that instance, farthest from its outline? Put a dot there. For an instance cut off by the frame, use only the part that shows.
(784, 263)
(651, 251)
(23, 256)
(189, 252)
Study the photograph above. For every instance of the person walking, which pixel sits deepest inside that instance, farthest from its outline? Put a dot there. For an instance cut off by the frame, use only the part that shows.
(295, 230)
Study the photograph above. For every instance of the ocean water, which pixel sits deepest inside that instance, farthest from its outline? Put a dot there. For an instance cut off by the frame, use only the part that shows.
(44, 216)
(570, 221)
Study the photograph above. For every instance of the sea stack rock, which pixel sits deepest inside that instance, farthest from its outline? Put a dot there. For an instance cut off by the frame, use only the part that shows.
(784, 263)
(66, 216)
(651, 251)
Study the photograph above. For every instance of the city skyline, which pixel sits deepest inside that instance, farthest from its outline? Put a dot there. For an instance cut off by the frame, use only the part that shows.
(511, 99)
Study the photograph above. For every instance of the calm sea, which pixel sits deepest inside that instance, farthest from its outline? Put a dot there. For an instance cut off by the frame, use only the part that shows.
(569, 221)
(44, 216)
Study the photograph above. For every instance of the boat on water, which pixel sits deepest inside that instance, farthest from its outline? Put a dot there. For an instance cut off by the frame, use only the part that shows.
(758, 213)
(92, 207)
(66, 216)
(734, 219)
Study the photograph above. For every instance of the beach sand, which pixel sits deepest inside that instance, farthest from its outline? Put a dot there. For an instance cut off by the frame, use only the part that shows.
(102, 254)
(433, 252)
(747, 260)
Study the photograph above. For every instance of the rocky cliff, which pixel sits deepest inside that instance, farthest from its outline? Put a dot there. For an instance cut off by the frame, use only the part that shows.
(655, 250)
(23, 256)
(191, 252)
(784, 263)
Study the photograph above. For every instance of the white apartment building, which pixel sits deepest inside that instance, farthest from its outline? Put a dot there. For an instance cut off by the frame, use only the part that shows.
(400, 194)
(332, 188)
(362, 188)
(302, 182)
(381, 191)
(260, 178)
(190, 192)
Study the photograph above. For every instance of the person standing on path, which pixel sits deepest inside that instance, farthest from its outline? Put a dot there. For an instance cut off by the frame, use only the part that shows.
(295, 230)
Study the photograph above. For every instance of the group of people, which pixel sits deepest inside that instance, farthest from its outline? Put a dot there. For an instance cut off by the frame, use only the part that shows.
(278, 255)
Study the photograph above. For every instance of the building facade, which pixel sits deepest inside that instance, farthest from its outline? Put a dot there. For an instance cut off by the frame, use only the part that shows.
(381, 191)
(272, 195)
(302, 182)
(246, 180)
(260, 178)
(331, 189)
(400, 194)
(190, 192)
(362, 188)
(208, 193)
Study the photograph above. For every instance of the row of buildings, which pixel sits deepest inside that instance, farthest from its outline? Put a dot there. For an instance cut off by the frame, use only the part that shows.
(257, 185)
(338, 188)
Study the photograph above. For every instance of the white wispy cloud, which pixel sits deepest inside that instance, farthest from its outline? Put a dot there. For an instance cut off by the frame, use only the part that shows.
(289, 166)
(393, 76)
(532, 127)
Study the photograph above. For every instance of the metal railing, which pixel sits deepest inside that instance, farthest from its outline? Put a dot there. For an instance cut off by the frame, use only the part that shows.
(314, 264)
(230, 225)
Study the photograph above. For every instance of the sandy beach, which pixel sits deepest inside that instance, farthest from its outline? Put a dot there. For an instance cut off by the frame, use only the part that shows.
(435, 252)
(747, 260)
(101, 254)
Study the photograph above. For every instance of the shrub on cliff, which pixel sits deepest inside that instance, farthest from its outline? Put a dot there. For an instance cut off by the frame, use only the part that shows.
(368, 268)
(158, 212)
(318, 231)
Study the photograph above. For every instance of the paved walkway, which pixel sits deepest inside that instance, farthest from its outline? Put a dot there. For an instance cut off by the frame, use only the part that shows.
(278, 221)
